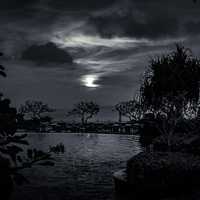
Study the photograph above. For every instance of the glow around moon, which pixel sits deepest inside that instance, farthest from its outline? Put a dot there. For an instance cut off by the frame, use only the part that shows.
(89, 80)
(96, 55)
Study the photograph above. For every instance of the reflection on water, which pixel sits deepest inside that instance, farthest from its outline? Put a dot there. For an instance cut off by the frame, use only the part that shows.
(83, 172)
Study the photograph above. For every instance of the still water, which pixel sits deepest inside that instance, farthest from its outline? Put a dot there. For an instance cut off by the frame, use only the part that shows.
(83, 172)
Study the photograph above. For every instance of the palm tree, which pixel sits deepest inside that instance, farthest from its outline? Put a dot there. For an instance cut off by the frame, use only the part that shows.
(170, 86)
(172, 81)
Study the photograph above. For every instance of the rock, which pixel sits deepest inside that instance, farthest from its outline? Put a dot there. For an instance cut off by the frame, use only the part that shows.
(163, 173)
(120, 180)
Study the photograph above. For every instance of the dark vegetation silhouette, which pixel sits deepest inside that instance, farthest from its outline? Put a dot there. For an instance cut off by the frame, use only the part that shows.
(119, 108)
(14, 152)
(33, 115)
(35, 109)
(131, 109)
(169, 166)
(85, 110)
(170, 89)
(172, 82)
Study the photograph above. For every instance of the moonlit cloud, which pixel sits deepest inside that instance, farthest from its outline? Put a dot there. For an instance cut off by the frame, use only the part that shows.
(90, 41)
(103, 57)
(93, 59)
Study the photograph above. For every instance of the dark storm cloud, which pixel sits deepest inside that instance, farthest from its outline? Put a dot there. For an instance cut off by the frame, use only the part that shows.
(80, 5)
(68, 5)
(14, 4)
(130, 27)
(47, 53)
(146, 19)
(109, 18)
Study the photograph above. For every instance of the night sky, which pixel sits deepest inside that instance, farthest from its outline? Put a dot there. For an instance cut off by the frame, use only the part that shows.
(64, 51)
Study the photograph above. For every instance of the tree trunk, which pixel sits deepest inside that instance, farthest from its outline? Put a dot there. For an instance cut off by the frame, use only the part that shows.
(120, 117)
(83, 120)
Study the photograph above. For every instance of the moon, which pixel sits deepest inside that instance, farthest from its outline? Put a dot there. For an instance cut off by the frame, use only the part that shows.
(89, 80)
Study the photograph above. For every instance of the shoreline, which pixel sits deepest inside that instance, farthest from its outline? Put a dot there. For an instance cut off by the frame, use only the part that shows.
(103, 133)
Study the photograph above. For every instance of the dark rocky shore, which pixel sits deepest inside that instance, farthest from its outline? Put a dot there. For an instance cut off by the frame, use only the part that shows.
(162, 174)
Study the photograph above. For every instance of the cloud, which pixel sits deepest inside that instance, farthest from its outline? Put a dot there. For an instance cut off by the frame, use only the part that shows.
(47, 53)
(80, 4)
(15, 4)
(127, 25)
(69, 5)
(145, 19)
(111, 42)
(192, 27)
(40, 19)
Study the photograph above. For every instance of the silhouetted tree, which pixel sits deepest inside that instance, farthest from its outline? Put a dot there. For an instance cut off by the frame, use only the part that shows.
(131, 109)
(34, 109)
(172, 82)
(171, 85)
(119, 108)
(11, 145)
(85, 110)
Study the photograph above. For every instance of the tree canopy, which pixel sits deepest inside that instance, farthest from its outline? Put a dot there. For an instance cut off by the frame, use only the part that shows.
(34, 109)
(171, 81)
(131, 109)
(85, 110)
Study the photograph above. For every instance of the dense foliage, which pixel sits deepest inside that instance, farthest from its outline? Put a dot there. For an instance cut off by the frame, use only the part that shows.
(171, 82)
(14, 152)
(130, 109)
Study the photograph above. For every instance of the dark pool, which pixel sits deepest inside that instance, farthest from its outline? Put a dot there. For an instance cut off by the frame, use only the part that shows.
(83, 172)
